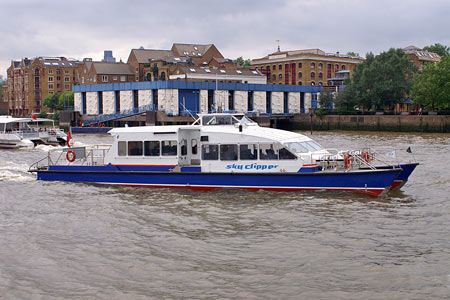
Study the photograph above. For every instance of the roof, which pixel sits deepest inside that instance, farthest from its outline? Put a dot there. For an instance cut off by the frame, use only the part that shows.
(192, 50)
(146, 55)
(58, 62)
(422, 54)
(112, 68)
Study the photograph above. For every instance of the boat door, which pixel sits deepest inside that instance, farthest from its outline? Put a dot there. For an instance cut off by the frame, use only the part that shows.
(189, 141)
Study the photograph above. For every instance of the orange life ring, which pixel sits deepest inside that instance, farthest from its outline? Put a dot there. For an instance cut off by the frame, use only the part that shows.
(347, 161)
(71, 156)
(103, 124)
(91, 125)
(367, 157)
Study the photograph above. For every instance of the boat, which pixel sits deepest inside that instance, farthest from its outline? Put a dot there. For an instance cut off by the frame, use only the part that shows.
(29, 132)
(218, 150)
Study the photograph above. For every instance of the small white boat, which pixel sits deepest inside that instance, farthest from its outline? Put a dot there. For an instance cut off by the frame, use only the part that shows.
(29, 132)
(217, 151)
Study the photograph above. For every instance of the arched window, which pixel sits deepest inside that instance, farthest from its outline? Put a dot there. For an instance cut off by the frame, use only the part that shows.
(320, 83)
(320, 66)
(280, 67)
(320, 75)
(36, 71)
(313, 83)
(300, 65)
(149, 77)
(343, 67)
(274, 67)
(163, 75)
(299, 83)
(274, 77)
(300, 75)
(280, 76)
(313, 65)
(313, 75)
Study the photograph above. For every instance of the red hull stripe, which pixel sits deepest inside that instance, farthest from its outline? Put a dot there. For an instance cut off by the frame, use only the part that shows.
(368, 191)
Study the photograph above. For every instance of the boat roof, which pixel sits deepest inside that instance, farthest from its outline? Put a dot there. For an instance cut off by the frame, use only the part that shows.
(9, 119)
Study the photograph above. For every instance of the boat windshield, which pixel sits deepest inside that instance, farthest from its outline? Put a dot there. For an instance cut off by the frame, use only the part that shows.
(304, 146)
(225, 119)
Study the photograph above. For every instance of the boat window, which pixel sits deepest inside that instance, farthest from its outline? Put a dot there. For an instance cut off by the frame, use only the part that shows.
(151, 148)
(248, 152)
(210, 152)
(194, 146)
(228, 152)
(297, 147)
(286, 154)
(169, 148)
(135, 148)
(217, 120)
(122, 148)
(267, 151)
(314, 145)
(183, 147)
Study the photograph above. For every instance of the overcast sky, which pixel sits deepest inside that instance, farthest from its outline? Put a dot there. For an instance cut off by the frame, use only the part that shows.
(84, 28)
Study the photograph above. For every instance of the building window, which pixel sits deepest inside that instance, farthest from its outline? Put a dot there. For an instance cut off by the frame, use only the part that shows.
(320, 75)
(137, 69)
(300, 75)
(58, 72)
(313, 83)
(299, 83)
(67, 79)
(300, 65)
(66, 72)
(82, 79)
(313, 65)
(50, 86)
(280, 67)
(313, 75)
(115, 77)
(36, 71)
(274, 67)
(58, 78)
(50, 71)
(67, 87)
(343, 67)
(274, 77)
(320, 83)
(50, 78)
(320, 66)
(122, 78)
(280, 76)
(104, 78)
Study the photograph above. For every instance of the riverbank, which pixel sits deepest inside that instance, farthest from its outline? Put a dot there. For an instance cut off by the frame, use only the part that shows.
(394, 123)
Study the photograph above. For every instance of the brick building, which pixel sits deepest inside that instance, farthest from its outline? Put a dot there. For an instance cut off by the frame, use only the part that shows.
(304, 67)
(105, 72)
(31, 80)
(420, 57)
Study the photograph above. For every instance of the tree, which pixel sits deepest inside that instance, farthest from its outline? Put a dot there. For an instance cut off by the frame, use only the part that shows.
(438, 49)
(354, 54)
(52, 101)
(381, 81)
(65, 99)
(431, 88)
(326, 99)
(244, 63)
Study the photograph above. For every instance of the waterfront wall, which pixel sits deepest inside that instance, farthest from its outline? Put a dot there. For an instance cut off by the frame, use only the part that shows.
(400, 123)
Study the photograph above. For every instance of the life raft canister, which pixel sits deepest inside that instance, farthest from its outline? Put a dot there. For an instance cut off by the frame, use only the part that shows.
(71, 156)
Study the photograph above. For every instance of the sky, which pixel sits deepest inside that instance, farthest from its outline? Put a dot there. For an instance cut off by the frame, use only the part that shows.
(248, 28)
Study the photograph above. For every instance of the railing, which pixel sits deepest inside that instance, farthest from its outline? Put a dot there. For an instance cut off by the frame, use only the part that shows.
(119, 115)
(78, 156)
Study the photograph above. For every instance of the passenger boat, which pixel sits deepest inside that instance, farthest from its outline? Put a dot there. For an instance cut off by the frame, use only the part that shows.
(217, 151)
(29, 132)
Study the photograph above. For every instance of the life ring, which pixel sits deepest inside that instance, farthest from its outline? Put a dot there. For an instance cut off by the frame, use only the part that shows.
(347, 161)
(71, 156)
(103, 124)
(91, 125)
(52, 132)
(367, 157)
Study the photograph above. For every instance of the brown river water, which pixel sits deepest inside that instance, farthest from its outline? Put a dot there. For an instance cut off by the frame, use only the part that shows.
(82, 241)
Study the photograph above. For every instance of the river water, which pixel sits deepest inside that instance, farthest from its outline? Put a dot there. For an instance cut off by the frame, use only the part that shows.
(82, 241)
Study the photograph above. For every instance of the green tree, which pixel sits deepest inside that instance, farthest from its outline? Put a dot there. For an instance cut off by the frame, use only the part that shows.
(431, 88)
(52, 101)
(244, 63)
(65, 99)
(326, 99)
(381, 81)
(438, 49)
(354, 54)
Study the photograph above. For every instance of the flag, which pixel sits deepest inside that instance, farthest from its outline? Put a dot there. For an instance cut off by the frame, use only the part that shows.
(409, 150)
(33, 116)
(391, 154)
(69, 137)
